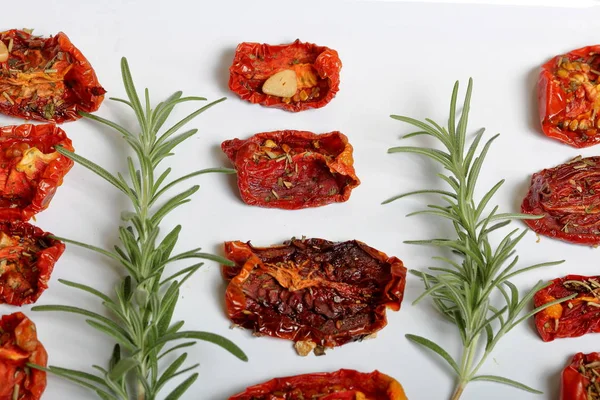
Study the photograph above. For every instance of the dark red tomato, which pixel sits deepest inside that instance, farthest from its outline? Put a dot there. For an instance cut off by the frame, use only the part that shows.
(579, 380)
(568, 196)
(344, 384)
(293, 169)
(30, 168)
(311, 72)
(568, 97)
(19, 345)
(27, 258)
(314, 292)
(571, 318)
(46, 79)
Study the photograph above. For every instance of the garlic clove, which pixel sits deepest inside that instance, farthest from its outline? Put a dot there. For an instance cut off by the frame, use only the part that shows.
(281, 84)
(3, 52)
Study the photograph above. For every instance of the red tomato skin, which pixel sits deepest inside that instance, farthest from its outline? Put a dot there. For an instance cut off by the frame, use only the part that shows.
(344, 384)
(318, 169)
(573, 384)
(19, 338)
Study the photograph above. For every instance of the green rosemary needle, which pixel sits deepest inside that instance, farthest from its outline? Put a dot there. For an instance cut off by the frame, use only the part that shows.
(142, 309)
(461, 291)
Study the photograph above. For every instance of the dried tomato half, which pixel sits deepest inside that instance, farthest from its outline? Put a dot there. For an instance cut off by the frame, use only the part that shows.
(568, 197)
(568, 97)
(19, 345)
(294, 77)
(344, 384)
(314, 292)
(27, 258)
(293, 169)
(579, 380)
(30, 168)
(46, 79)
(571, 318)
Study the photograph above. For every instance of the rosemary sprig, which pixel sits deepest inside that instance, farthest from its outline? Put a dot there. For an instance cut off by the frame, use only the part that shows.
(143, 307)
(462, 290)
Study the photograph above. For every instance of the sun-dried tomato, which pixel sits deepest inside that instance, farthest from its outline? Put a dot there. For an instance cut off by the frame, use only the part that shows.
(579, 380)
(316, 70)
(27, 258)
(570, 318)
(19, 345)
(344, 384)
(46, 79)
(314, 292)
(568, 97)
(30, 168)
(293, 169)
(568, 196)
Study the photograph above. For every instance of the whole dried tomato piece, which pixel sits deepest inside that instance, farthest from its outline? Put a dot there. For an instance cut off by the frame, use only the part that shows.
(345, 384)
(314, 292)
(579, 380)
(19, 345)
(27, 258)
(30, 168)
(294, 77)
(570, 318)
(46, 79)
(568, 97)
(568, 197)
(293, 169)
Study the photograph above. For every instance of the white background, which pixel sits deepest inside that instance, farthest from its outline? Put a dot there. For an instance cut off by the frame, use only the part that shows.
(400, 58)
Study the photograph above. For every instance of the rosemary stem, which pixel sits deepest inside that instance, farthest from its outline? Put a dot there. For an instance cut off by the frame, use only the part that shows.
(459, 390)
(141, 392)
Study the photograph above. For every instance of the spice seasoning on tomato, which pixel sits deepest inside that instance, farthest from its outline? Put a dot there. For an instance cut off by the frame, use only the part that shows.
(294, 77)
(568, 97)
(579, 380)
(19, 345)
(30, 168)
(46, 79)
(317, 293)
(568, 196)
(27, 258)
(293, 169)
(570, 318)
(344, 384)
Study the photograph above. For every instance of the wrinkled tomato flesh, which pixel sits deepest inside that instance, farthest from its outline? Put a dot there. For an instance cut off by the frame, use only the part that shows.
(317, 71)
(46, 79)
(340, 385)
(568, 197)
(317, 293)
(293, 169)
(579, 379)
(19, 345)
(569, 101)
(570, 318)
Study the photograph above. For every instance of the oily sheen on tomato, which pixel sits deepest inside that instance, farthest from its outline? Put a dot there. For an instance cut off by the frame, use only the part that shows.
(317, 293)
(293, 169)
(19, 345)
(344, 384)
(579, 378)
(568, 197)
(46, 79)
(570, 318)
(569, 98)
(294, 77)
